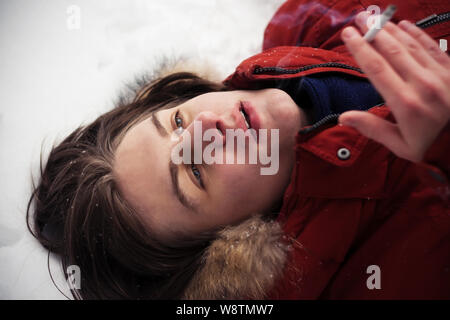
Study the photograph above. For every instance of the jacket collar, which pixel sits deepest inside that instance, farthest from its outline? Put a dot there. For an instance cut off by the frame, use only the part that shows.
(353, 165)
(289, 62)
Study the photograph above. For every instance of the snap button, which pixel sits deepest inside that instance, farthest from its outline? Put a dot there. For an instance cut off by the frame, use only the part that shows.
(343, 153)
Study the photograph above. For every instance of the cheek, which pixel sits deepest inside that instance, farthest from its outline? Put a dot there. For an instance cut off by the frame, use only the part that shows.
(234, 182)
(243, 188)
(236, 176)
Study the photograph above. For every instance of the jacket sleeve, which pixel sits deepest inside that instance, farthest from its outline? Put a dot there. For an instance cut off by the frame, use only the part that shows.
(434, 169)
(319, 246)
(310, 23)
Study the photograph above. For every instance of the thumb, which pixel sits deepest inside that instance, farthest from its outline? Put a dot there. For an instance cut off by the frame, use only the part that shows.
(377, 129)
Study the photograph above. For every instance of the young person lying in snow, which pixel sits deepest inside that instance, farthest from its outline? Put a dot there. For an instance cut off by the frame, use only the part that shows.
(357, 205)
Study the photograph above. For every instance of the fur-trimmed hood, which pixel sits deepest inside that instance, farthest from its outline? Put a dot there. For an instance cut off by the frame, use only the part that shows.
(242, 263)
(355, 214)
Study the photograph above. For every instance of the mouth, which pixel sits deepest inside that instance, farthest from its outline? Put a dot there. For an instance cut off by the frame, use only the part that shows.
(245, 115)
(251, 118)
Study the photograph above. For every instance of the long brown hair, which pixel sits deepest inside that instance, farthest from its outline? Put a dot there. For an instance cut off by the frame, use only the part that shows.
(77, 211)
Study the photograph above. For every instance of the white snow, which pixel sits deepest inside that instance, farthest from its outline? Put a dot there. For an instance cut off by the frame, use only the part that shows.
(54, 77)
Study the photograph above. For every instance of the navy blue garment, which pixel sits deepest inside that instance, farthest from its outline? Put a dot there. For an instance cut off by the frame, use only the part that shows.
(323, 94)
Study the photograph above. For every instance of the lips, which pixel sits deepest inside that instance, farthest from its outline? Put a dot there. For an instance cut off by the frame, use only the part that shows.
(246, 117)
(251, 115)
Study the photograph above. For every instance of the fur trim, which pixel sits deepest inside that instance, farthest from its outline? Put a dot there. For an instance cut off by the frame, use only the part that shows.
(165, 67)
(204, 70)
(242, 263)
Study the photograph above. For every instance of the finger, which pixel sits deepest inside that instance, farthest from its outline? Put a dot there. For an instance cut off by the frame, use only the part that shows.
(401, 60)
(361, 21)
(430, 46)
(379, 130)
(429, 80)
(396, 53)
(383, 77)
(415, 49)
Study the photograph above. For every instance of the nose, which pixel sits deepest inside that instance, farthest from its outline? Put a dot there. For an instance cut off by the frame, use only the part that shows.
(207, 124)
(206, 128)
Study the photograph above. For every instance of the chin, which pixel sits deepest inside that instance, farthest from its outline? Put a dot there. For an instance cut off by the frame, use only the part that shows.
(287, 113)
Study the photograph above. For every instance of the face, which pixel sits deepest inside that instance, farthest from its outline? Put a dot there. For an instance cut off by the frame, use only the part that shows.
(189, 197)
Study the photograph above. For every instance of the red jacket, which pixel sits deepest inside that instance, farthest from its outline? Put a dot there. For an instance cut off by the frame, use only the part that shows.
(372, 208)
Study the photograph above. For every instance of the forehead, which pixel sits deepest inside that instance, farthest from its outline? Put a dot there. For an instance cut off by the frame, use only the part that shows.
(141, 169)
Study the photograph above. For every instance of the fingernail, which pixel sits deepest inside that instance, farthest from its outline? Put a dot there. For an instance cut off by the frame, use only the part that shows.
(349, 33)
(346, 122)
(361, 18)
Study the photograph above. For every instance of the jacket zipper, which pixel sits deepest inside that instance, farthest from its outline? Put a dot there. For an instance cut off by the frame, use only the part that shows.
(279, 70)
(433, 19)
(424, 23)
(328, 119)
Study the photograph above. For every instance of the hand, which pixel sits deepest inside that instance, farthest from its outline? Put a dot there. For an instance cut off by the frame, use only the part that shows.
(412, 73)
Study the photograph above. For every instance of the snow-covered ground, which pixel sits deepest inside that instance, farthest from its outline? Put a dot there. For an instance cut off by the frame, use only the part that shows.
(63, 62)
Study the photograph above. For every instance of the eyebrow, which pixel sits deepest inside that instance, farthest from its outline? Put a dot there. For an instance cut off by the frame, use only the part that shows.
(155, 120)
(185, 200)
(173, 169)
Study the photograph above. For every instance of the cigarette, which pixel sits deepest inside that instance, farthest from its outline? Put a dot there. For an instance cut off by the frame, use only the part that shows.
(384, 18)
